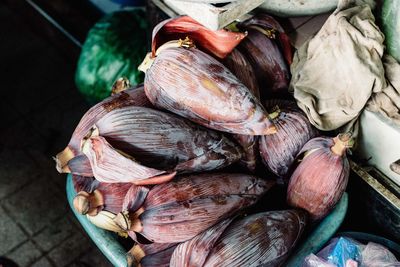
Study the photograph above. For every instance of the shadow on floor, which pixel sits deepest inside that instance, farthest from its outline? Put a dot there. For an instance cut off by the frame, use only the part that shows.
(40, 107)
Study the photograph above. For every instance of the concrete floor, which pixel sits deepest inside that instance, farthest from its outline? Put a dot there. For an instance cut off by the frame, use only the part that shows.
(39, 108)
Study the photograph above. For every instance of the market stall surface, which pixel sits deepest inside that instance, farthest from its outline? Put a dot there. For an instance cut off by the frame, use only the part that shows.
(39, 107)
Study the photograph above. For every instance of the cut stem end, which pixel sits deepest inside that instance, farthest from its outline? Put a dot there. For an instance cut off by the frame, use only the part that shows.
(342, 142)
(62, 158)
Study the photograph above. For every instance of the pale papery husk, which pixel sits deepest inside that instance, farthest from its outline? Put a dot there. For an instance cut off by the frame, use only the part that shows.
(181, 209)
(320, 179)
(218, 43)
(105, 220)
(262, 239)
(194, 85)
(279, 151)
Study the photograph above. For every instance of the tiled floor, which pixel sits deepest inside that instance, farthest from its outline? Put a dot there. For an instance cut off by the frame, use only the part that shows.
(39, 107)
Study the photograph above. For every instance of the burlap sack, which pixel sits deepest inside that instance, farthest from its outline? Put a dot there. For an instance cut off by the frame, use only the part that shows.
(335, 72)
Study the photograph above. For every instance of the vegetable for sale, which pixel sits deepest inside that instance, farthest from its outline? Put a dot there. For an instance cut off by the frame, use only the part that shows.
(272, 29)
(194, 252)
(196, 86)
(130, 97)
(180, 209)
(265, 56)
(278, 151)
(165, 141)
(321, 178)
(94, 196)
(112, 166)
(238, 64)
(263, 239)
(219, 43)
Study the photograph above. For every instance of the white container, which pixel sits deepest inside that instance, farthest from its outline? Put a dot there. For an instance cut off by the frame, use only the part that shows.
(379, 143)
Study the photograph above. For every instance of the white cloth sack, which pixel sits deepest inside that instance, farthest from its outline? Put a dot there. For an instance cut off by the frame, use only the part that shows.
(335, 72)
(387, 102)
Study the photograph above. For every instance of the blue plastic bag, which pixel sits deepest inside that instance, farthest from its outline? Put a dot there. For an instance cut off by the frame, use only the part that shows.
(340, 250)
(346, 252)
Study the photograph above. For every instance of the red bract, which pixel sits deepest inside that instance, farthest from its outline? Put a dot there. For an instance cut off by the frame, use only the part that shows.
(194, 85)
(181, 209)
(278, 151)
(219, 43)
(239, 65)
(263, 239)
(129, 97)
(94, 196)
(321, 178)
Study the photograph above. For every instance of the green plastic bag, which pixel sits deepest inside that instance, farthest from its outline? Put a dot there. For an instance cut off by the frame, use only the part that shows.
(114, 47)
(391, 27)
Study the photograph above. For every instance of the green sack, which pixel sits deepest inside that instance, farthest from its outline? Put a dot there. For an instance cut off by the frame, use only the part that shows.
(391, 27)
(114, 47)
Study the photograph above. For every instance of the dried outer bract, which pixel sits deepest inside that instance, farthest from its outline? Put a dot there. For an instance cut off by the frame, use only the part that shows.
(321, 178)
(121, 84)
(278, 151)
(112, 166)
(105, 220)
(165, 141)
(134, 96)
(219, 43)
(151, 255)
(194, 252)
(94, 196)
(273, 30)
(181, 209)
(196, 86)
(262, 239)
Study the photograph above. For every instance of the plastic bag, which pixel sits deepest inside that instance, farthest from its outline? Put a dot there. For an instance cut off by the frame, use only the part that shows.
(377, 255)
(346, 252)
(340, 250)
(314, 261)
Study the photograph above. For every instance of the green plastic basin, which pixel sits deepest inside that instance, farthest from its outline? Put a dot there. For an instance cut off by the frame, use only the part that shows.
(107, 241)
